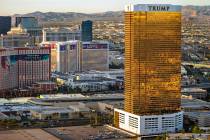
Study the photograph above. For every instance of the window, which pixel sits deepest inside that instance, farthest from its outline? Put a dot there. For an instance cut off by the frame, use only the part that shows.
(133, 122)
(122, 118)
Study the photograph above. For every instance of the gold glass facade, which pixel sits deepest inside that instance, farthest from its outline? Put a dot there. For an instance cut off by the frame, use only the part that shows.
(152, 62)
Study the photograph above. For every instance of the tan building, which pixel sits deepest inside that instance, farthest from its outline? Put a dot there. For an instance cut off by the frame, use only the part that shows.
(95, 56)
(53, 114)
(21, 67)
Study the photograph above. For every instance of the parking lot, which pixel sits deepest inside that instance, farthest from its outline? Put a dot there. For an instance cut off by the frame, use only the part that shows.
(86, 133)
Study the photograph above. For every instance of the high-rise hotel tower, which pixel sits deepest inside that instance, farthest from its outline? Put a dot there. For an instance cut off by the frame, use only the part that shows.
(152, 70)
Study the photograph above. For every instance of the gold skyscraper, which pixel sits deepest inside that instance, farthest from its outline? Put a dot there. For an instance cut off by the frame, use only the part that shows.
(152, 70)
(152, 60)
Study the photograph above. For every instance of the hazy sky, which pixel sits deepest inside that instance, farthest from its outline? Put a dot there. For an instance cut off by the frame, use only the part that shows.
(9, 7)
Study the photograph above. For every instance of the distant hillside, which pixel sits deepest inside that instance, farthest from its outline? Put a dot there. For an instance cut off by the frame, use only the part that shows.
(196, 10)
(72, 16)
(196, 14)
(188, 12)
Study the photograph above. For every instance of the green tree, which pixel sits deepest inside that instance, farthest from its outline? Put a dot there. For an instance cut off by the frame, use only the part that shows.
(196, 129)
(162, 137)
(182, 131)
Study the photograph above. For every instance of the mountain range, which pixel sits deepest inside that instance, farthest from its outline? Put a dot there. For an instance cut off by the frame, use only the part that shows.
(187, 11)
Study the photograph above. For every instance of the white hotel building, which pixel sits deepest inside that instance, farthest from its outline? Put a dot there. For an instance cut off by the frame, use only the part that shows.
(150, 124)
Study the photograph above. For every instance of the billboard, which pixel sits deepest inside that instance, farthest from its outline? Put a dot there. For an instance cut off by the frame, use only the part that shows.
(73, 47)
(63, 47)
(68, 47)
(95, 46)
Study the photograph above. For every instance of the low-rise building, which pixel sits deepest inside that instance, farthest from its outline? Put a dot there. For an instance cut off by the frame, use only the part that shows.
(201, 118)
(91, 85)
(189, 104)
(92, 80)
(60, 35)
(44, 86)
(53, 113)
(80, 108)
(195, 92)
(196, 110)
(106, 106)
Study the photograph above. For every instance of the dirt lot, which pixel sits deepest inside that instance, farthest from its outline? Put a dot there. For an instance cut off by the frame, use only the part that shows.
(26, 134)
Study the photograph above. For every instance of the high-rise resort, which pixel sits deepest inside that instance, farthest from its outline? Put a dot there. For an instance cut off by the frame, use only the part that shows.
(152, 70)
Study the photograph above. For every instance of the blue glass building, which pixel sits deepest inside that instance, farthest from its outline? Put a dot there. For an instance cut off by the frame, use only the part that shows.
(31, 25)
(86, 29)
(26, 22)
(5, 24)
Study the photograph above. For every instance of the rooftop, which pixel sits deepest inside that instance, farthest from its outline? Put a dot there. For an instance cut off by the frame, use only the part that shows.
(75, 97)
(46, 82)
(193, 90)
(17, 107)
(60, 96)
(194, 103)
(51, 110)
